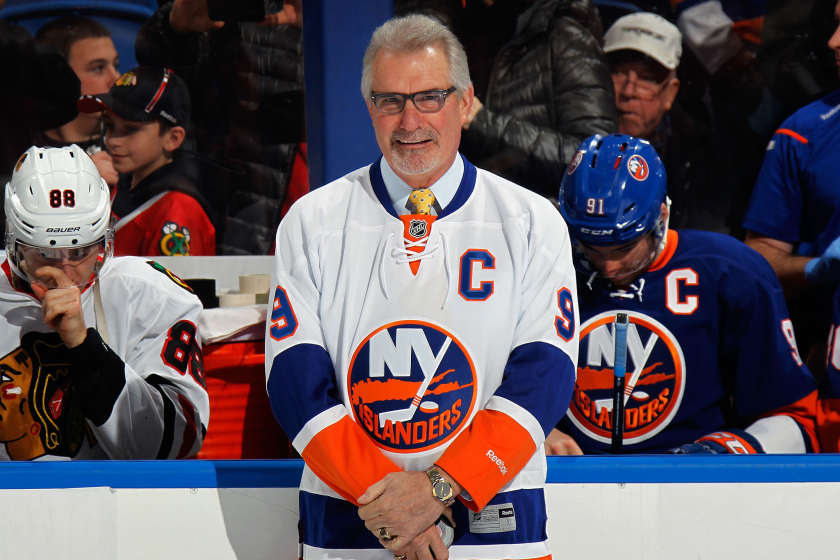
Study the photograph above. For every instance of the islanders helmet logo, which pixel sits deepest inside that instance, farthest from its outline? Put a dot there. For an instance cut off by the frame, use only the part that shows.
(412, 386)
(575, 161)
(655, 378)
(638, 167)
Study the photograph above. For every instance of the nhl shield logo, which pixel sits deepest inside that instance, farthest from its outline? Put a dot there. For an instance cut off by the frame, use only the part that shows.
(655, 378)
(638, 167)
(412, 386)
(417, 228)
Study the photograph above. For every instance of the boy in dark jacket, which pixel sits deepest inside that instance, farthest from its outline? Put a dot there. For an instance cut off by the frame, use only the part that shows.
(157, 208)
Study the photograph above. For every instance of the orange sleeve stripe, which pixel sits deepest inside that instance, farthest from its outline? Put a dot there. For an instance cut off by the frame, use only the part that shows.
(345, 458)
(792, 134)
(487, 455)
(805, 412)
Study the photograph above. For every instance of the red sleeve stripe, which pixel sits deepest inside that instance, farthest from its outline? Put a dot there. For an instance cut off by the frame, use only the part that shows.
(346, 459)
(792, 134)
(488, 454)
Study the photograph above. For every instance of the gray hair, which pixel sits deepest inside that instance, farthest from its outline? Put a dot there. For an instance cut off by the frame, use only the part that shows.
(410, 34)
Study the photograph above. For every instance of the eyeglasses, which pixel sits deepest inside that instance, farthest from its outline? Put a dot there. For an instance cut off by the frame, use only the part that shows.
(430, 101)
(645, 87)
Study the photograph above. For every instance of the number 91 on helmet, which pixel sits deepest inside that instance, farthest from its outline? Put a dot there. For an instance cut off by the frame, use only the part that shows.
(612, 198)
(58, 213)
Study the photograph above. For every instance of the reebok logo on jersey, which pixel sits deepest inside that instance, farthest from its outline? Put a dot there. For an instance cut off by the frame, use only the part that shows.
(498, 461)
(63, 230)
(412, 386)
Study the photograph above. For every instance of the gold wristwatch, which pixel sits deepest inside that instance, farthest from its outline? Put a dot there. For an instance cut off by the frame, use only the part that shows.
(441, 489)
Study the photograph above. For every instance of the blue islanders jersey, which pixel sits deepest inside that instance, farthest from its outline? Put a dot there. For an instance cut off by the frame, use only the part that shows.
(709, 347)
(797, 195)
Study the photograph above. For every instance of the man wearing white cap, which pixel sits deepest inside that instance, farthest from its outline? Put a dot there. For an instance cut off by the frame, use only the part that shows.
(643, 52)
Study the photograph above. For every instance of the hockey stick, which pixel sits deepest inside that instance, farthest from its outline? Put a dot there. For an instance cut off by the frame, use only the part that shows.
(619, 371)
(408, 413)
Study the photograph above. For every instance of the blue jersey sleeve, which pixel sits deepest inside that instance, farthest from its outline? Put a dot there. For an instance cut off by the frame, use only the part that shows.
(760, 359)
(775, 207)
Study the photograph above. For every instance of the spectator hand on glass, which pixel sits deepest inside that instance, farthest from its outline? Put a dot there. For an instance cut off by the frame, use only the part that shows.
(191, 16)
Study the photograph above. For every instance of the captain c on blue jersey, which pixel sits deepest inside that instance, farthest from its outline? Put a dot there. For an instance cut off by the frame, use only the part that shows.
(712, 360)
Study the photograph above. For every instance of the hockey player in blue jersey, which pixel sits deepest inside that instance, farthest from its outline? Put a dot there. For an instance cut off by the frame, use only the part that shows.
(712, 365)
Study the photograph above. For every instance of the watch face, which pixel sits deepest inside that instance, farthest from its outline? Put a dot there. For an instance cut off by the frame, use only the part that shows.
(443, 490)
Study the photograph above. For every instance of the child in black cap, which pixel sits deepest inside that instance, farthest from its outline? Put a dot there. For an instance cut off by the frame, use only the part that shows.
(157, 206)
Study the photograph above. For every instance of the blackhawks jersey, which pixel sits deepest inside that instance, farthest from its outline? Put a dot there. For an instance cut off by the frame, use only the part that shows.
(709, 347)
(148, 400)
(388, 356)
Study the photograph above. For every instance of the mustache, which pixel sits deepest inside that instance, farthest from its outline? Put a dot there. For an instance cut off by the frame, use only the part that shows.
(418, 135)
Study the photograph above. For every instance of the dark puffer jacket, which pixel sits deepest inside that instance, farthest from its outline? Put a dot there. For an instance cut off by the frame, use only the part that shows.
(246, 83)
(550, 87)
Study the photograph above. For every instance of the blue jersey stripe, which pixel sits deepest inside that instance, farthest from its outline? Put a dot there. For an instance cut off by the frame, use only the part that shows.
(346, 530)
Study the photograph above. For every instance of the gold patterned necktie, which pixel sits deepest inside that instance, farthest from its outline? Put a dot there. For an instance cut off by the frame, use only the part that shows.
(423, 199)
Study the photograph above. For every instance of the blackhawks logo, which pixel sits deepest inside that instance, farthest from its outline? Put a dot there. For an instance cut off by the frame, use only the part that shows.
(127, 79)
(175, 240)
(655, 378)
(412, 386)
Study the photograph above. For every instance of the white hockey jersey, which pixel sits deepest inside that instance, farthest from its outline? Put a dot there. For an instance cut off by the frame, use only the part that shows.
(141, 397)
(396, 342)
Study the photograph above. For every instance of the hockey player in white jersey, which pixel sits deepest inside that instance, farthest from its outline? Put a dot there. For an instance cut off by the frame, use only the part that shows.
(99, 356)
(423, 332)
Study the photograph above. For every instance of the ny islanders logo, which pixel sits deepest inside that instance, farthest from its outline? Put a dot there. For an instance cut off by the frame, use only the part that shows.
(638, 167)
(575, 161)
(412, 386)
(655, 379)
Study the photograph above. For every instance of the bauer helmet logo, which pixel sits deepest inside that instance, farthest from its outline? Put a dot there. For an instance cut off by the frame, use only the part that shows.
(656, 377)
(575, 161)
(638, 167)
(412, 386)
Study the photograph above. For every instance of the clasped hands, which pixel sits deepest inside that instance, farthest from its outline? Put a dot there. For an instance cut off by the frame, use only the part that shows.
(402, 503)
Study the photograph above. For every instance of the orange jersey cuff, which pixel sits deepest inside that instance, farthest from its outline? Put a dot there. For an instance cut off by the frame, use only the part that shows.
(487, 455)
(804, 411)
(345, 458)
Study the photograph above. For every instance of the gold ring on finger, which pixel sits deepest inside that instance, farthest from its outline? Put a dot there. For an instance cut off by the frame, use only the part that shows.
(399, 557)
(385, 535)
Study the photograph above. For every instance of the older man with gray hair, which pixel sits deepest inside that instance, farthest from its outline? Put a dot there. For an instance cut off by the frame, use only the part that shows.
(423, 331)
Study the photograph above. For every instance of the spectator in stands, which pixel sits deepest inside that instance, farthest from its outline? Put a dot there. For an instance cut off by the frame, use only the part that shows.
(87, 47)
(643, 50)
(549, 88)
(246, 81)
(38, 92)
(158, 208)
(794, 213)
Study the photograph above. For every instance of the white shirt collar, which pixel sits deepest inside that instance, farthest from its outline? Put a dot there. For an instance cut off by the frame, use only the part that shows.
(444, 188)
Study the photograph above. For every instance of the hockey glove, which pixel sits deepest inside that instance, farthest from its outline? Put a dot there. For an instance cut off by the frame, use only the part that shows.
(825, 269)
(736, 442)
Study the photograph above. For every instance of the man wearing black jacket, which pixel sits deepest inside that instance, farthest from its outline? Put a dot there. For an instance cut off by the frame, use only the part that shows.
(548, 88)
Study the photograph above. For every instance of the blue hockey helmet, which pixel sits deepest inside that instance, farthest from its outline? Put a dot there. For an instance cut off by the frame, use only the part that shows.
(611, 194)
